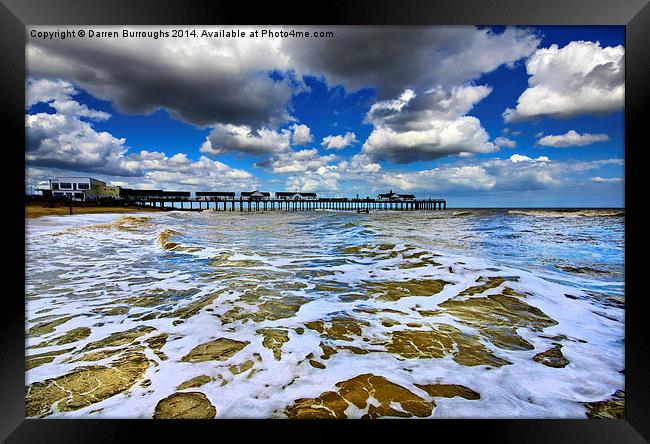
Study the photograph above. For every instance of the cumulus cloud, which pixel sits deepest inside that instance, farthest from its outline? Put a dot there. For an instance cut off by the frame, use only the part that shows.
(66, 142)
(301, 135)
(226, 138)
(57, 140)
(339, 142)
(58, 95)
(325, 178)
(205, 81)
(582, 77)
(392, 58)
(428, 126)
(518, 173)
(504, 141)
(201, 81)
(297, 161)
(178, 170)
(572, 138)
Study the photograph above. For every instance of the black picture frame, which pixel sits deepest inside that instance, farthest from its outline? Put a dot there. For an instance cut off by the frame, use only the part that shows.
(16, 14)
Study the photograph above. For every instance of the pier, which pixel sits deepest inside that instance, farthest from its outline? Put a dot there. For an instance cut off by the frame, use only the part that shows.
(243, 204)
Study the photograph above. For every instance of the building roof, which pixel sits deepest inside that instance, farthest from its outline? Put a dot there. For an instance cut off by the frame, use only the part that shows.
(215, 193)
(136, 192)
(249, 193)
(293, 193)
(391, 194)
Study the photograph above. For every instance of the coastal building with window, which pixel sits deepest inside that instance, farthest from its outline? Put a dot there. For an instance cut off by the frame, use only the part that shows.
(75, 188)
(395, 197)
(255, 195)
(291, 195)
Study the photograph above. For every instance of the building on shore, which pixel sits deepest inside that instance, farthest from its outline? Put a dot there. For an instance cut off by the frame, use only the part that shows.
(81, 189)
(291, 195)
(390, 196)
(255, 195)
(215, 195)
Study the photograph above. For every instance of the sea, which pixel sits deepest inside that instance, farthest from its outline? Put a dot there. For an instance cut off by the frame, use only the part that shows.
(461, 313)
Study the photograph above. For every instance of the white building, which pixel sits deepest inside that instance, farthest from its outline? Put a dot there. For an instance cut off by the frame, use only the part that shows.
(76, 188)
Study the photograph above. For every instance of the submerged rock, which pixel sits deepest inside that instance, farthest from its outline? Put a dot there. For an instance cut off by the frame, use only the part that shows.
(48, 326)
(449, 391)
(156, 343)
(44, 358)
(120, 338)
(552, 357)
(613, 407)
(375, 394)
(498, 317)
(440, 341)
(342, 328)
(74, 335)
(219, 349)
(85, 386)
(237, 369)
(395, 290)
(490, 282)
(274, 338)
(185, 405)
(195, 382)
(192, 308)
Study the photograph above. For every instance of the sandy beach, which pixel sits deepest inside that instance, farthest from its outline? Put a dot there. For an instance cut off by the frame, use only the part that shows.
(33, 210)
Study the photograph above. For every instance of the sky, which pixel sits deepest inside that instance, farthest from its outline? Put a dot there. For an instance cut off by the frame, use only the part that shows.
(481, 116)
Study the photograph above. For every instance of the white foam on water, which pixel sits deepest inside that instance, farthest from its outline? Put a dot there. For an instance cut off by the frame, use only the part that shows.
(72, 270)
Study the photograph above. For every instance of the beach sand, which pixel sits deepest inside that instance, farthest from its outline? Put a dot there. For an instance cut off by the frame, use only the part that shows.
(33, 210)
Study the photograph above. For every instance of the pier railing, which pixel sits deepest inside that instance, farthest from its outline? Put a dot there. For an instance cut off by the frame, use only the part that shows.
(270, 204)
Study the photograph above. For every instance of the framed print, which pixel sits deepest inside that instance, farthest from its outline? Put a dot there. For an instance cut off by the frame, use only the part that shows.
(422, 212)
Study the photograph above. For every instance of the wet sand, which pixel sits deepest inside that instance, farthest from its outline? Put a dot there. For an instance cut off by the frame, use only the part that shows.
(33, 210)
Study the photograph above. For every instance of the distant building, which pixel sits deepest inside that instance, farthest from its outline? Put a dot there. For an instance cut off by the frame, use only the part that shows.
(129, 193)
(394, 196)
(255, 195)
(215, 195)
(75, 188)
(290, 195)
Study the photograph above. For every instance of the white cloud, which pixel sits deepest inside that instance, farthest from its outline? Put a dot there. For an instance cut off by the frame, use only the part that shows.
(521, 158)
(432, 125)
(57, 140)
(606, 179)
(325, 178)
(226, 138)
(339, 142)
(58, 95)
(298, 161)
(301, 134)
(572, 138)
(504, 141)
(582, 77)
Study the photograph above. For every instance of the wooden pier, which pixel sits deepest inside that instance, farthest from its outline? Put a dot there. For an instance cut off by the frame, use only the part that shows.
(335, 204)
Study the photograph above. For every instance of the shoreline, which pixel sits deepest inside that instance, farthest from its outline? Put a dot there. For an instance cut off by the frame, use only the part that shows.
(36, 210)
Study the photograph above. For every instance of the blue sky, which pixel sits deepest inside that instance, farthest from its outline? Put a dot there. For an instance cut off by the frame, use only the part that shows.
(419, 110)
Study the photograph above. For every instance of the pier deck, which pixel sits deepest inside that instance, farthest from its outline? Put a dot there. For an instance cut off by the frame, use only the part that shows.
(293, 205)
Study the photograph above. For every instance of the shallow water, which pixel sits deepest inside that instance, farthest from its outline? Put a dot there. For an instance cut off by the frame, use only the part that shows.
(291, 305)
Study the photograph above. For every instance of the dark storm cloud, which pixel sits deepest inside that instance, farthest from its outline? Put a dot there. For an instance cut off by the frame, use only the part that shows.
(140, 78)
(395, 58)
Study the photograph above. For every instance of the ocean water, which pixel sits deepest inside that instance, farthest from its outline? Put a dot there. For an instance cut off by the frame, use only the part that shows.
(442, 314)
